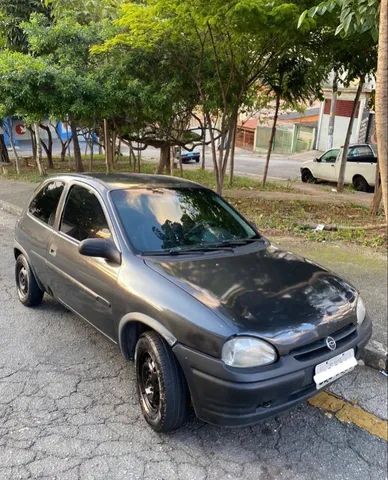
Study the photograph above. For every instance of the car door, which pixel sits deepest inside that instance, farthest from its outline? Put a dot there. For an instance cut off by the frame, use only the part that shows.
(85, 284)
(35, 229)
(325, 167)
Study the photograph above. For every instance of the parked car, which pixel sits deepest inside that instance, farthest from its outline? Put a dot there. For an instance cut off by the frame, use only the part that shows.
(188, 156)
(360, 167)
(212, 314)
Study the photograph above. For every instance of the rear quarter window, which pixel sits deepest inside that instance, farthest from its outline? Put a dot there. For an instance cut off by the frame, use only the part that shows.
(45, 203)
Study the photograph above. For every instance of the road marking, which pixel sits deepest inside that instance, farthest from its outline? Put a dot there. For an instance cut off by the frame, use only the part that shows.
(348, 412)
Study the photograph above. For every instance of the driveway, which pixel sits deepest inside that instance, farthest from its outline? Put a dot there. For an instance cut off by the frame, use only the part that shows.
(68, 410)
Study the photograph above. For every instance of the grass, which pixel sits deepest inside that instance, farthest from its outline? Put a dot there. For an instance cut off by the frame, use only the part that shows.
(280, 216)
(286, 217)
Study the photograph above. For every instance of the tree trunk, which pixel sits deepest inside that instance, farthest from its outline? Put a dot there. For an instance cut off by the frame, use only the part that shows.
(172, 160)
(33, 144)
(4, 158)
(39, 161)
(108, 148)
(345, 150)
(213, 145)
(382, 103)
(138, 158)
(330, 136)
(233, 148)
(271, 139)
(48, 148)
(12, 142)
(77, 151)
(203, 163)
(164, 159)
(91, 156)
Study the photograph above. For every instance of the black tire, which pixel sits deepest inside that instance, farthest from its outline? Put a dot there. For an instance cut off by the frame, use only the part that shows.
(197, 160)
(360, 184)
(161, 386)
(28, 290)
(307, 176)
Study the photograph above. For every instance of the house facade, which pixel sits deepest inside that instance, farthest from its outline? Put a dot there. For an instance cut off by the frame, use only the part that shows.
(363, 126)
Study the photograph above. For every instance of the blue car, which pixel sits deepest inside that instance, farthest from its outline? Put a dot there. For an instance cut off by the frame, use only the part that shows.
(189, 156)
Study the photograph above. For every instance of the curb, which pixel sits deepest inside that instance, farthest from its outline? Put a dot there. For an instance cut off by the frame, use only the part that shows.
(374, 355)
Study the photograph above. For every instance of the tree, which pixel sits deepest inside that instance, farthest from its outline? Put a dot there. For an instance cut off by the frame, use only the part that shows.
(293, 77)
(224, 48)
(12, 37)
(382, 103)
(63, 46)
(357, 21)
(26, 86)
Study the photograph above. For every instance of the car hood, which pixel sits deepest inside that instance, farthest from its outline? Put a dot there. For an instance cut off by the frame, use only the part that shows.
(274, 294)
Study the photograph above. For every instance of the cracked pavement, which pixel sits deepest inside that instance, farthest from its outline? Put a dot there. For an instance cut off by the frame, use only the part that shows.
(68, 410)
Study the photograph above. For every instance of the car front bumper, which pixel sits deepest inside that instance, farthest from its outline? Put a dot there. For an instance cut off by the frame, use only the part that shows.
(228, 396)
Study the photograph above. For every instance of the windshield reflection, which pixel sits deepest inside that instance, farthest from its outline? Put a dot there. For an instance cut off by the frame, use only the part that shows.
(160, 219)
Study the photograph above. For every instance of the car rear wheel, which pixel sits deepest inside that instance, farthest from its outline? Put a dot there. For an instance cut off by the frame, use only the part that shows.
(360, 184)
(29, 292)
(307, 176)
(161, 386)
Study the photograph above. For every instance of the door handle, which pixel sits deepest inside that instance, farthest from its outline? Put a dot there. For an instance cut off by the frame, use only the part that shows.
(52, 251)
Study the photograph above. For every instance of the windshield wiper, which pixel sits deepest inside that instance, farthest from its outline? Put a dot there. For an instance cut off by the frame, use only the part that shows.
(199, 248)
(225, 245)
(188, 250)
(239, 241)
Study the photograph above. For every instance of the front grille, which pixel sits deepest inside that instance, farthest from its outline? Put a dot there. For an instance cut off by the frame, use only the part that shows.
(315, 349)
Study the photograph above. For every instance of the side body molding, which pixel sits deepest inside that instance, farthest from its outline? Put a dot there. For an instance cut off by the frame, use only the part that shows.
(127, 336)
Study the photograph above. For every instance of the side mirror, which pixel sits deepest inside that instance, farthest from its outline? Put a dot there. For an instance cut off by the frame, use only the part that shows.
(317, 159)
(99, 247)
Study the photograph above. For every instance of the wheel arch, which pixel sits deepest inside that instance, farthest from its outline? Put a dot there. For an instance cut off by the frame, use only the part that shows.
(19, 250)
(363, 179)
(358, 175)
(132, 325)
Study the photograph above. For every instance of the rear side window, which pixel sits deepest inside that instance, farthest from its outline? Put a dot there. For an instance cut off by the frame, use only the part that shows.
(83, 216)
(362, 153)
(45, 203)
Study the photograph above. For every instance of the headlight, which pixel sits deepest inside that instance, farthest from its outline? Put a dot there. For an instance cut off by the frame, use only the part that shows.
(361, 310)
(246, 352)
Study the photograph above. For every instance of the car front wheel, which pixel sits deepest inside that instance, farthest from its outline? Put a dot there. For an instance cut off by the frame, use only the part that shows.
(161, 386)
(307, 176)
(29, 292)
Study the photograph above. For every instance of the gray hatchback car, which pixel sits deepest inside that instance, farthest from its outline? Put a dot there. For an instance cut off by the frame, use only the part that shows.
(213, 315)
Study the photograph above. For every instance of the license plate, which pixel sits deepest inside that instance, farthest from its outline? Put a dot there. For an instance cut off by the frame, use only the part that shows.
(334, 368)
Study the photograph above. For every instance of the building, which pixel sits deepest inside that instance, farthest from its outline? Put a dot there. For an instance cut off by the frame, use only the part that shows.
(363, 126)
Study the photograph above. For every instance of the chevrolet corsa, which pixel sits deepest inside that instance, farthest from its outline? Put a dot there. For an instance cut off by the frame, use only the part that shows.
(213, 315)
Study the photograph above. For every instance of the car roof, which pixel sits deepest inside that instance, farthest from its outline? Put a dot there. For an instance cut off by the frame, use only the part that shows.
(120, 181)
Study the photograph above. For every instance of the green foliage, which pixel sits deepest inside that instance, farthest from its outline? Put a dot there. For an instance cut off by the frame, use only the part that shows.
(353, 16)
(26, 85)
(12, 14)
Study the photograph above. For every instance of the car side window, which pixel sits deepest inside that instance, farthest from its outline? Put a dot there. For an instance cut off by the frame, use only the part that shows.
(83, 216)
(363, 153)
(330, 156)
(45, 203)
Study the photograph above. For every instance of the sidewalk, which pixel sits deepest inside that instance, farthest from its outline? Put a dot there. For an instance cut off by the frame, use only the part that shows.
(366, 269)
(16, 194)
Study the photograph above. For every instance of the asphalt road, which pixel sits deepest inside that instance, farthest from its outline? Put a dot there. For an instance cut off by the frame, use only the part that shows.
(68, 410)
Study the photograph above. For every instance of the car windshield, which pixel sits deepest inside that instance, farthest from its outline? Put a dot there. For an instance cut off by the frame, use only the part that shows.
(167, 220)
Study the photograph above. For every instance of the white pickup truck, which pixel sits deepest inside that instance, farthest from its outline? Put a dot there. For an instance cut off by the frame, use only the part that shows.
(360, 167)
